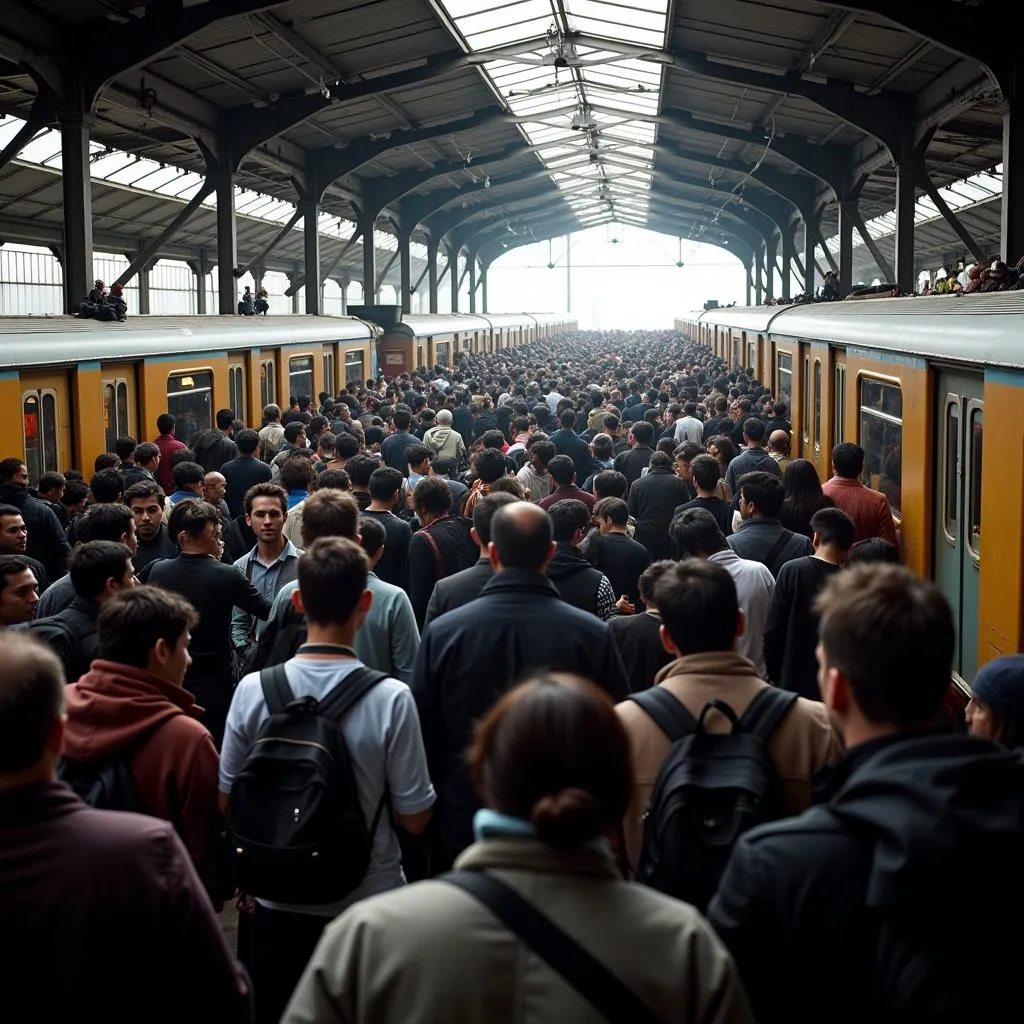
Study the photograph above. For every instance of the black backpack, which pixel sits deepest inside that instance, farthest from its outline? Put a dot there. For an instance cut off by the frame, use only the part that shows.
(295, 822)
(711, 789)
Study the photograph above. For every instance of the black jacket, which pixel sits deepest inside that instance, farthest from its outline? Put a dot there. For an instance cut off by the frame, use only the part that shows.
(471, 656)
(756, 538)
(241, 474)
(454, 591)
(213, 448)
(632, 462)
(135, 475)
(575, 578)
(393, 566)
(393, 447)
(622, 560)
(652, 501)
(71, 634)
(718, 508)
(436, 551)
(567, 442)
(147, 552)
(47, 542)
(639, 642)
(905, 821)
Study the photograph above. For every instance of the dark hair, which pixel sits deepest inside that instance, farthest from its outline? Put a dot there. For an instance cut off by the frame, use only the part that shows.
(489, 465)
(643, 432)
(329, 513)
(562, 470)
(522, 538)
(185, 473)
(265, 489)
(726, 446)
(346, 445)
(107, 485)
(650, 576)
(687, 451)
(834, 526)
(610, 483)
(296, 472)
(31, 699)
(416, 454)
(191, 516)
(293, 429)
(401, 419)
(705, 471)
(568, 516)
(553, 752)
(50, 480)
(104, 522)
(225, 417)
(106, 460)
(165, 423)
(508, 485)
(872, 550)
(144, 489)
(317, 425)
(892, 636)
(180, 456)
(803, 494)
(432, 495)
(602, 445)
(764, 491)
(90, 565)
(373, 435)
(696, 532)
(483, 513)
(384, 482)
(492, 439)
(614, 509)
(698, 605)
(11, 565)
(611, 422)
(133, 620)
(543, 450)
(146, 452)
(333, 479)
(567, 418)
(332, 578)
(661, 459)
(781, 408)
(848, 460)
(360, 469)
(124, 447)
(248, 441)
(372, 535)
(753, 429)
(75, 492)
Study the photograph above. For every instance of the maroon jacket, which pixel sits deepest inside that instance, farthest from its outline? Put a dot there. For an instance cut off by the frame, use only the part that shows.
(168, 445)
(102, 918)
(174, 763)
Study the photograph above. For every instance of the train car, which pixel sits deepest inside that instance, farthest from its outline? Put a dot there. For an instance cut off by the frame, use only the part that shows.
(913, 382)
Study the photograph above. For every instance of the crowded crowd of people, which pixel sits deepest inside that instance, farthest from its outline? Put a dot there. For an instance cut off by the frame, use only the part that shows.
(546, 686)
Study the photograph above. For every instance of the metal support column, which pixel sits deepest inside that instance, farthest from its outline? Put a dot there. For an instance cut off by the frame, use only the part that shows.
(758, 285)
(432, 279)
(787, 262)
(770, 252)
(343, 282)
(405, 270)
(453, 262)
(144, 274)
(311, 255)
(77, 189)
(369, 263)
(748, 280)
(906, 194)
(472, 282)
(1011, 232)
(847, 219)
(293, 278)
(227, 241)
(483, 289)
(810, 237)
(200, 268)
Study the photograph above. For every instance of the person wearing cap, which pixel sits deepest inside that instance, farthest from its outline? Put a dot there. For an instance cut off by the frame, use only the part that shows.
(116, 300)
(996, 708)
(98, 295)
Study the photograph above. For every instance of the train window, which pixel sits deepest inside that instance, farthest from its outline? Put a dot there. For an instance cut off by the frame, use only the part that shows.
(39, 429)
(839, 404)
(752, 356)
(190, 402)
(300, 376)
(329, 382)
(881, 437)
(443, 349)
(950, 464)
(236, 389)
(817, 405)
(115, 411)
(784, 379)
(976, 423)
(806, 416)
(353, 368)
(268, 382)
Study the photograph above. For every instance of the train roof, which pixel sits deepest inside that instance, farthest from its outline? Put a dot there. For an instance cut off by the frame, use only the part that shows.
(741, 318)
(50, 340)
(426, 325)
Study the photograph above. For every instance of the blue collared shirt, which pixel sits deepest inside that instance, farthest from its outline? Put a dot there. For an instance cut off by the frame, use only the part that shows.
(267, 579)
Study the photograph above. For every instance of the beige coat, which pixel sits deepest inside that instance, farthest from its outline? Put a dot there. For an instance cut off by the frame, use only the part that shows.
(445, 442)
(803, 741)
(430, 952)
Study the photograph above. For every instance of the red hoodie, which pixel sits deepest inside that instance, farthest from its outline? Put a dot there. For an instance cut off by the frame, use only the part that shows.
(174, 769)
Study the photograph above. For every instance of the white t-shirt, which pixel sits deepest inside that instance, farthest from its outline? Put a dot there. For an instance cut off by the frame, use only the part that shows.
(382, 733)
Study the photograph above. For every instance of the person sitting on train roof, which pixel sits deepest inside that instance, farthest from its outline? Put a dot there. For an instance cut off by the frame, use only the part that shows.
(856, 892)
(996, 707)
(98, 294)
(46, 541)
(869, 509)
(246, 305)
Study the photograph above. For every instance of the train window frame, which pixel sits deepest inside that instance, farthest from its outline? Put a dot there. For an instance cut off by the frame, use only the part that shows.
(348, 362)
(121, 415)
(752, 355)
(39, 464)
(236, 389)
(171, 398)
(864, 378)
(817, 406)
(330, 381)
(805, 410)
(779, 371)
(293, 373)
(950, 459)
(972, 477)
(839, 404)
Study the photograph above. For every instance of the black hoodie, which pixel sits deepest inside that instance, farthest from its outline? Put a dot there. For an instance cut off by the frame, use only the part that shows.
(919, 836)
(574, 577)
(47, 542)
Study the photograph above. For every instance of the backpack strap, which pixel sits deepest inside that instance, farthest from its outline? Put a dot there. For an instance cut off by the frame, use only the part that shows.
(345, 695)
(276, 691)
(776, 549)
(437, 551)
(669, 714)
(605, 992)
(766, 710)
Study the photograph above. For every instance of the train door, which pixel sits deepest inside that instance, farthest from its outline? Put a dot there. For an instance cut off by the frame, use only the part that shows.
(119, 420)
(957, 560)
(46, 423)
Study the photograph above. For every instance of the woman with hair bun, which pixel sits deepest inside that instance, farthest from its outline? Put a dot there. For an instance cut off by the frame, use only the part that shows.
(551, 764)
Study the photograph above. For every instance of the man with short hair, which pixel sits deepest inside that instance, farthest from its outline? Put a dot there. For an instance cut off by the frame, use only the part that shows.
(701, 621)
(621, 558)
(383, 738)
(393, 449)
(534, 474)
(705, 476)
(688, 427)
(243, 472)
(469, 657)
(393, 564)
(168, 444)
(145, 501)
(214, 447)
(791, 629)
(853, 894)
(753, 458)
(294, 437)
(131, 704)
(652, 502)
(567, 442)
(564, 475)
(95, 888)
(437, 548)
(638, 637)
(19, 591)
(188, 485)
(761, 537)
(146, 464)
(14, 541)
(869, 509)
(272, 435)
(46, 541)
(632, 462)
(99, 569)
(696, 534)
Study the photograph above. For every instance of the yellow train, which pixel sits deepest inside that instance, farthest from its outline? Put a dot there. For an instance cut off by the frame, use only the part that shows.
(80, 384)
(913, 381)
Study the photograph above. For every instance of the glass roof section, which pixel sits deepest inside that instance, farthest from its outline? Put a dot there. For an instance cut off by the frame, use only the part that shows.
(584, 81)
